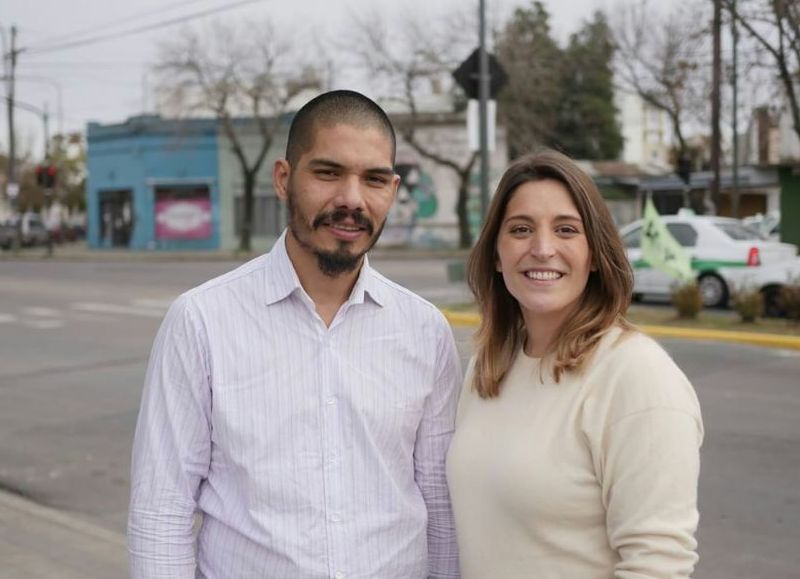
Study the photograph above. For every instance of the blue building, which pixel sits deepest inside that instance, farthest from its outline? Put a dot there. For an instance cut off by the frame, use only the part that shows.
(153, 184)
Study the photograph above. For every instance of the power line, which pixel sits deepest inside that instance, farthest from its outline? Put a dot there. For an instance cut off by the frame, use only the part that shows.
(118, 22)
(139, 30)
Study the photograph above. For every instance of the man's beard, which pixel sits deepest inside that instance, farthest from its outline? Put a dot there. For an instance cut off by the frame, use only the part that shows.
(341, 260)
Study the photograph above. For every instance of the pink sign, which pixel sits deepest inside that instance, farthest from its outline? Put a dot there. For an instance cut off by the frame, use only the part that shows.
(183, 219)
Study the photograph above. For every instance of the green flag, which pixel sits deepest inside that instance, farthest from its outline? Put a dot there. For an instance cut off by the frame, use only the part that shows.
(660, 249)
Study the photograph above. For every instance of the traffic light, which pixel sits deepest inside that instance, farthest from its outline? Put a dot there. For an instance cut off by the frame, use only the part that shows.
(46, 176)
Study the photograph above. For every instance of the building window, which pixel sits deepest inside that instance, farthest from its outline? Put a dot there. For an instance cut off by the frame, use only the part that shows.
(183, 212)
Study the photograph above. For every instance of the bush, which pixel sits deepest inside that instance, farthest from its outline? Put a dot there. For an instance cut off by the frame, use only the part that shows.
(789, 300)
(749, 304)
(687, 300)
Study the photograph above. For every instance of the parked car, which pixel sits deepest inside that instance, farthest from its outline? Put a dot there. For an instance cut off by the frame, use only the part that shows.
(769, 225)
(32, 231)
(768, 279)
(715, 245)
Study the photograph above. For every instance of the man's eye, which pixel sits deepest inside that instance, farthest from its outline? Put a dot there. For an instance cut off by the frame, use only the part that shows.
(377, 180)
(325, 173)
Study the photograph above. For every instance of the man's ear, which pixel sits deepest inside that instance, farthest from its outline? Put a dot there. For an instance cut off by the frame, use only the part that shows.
(281, 172)
(395, 186)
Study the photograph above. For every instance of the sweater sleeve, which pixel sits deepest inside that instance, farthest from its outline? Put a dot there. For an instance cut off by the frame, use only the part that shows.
(645, 430)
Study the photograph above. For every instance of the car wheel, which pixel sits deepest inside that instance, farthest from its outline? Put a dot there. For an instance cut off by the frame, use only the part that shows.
(714, 291)
(772, 308)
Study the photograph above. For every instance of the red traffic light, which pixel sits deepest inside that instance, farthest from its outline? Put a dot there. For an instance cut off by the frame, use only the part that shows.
(46, 175)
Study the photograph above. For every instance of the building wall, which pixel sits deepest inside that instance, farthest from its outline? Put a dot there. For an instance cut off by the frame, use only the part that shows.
(270, 215)
(645, 130)
(424, 214)
(142, 158)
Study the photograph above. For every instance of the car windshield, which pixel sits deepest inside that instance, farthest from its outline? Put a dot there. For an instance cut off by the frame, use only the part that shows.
(738, 231)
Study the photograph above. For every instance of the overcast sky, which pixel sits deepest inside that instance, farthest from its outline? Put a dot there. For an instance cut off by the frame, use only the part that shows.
(107, 81)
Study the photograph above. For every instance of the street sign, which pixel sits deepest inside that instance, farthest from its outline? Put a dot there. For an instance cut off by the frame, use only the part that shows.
(467, 75)
(12, 190)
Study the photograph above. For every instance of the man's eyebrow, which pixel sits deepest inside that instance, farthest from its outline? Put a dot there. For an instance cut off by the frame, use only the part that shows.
(330, 164)
(325, 163)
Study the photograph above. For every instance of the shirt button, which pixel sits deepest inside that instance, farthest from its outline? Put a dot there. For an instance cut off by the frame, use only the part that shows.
(331, 400)
(338, 575)
(336, 519)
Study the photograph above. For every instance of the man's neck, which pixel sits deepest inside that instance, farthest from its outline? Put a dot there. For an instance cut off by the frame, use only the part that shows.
(328, 293)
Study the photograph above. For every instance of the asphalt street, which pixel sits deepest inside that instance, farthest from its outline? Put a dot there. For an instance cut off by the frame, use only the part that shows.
(74, 340)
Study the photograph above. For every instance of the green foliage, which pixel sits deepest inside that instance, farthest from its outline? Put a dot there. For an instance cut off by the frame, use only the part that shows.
(748, 303)
(687, 300)
(587, 125)
(560, 98)
(530, 101)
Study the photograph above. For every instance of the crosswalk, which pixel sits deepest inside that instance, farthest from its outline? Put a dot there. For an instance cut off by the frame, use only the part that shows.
(37, 317)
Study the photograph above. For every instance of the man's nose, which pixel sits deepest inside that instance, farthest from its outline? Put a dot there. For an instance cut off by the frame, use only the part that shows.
(350, 194)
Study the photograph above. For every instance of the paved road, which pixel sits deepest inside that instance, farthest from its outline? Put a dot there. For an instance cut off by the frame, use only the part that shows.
(75, 339)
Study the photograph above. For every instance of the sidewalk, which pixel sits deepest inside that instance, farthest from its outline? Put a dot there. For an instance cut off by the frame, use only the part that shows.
(79, 252)
(38, 542)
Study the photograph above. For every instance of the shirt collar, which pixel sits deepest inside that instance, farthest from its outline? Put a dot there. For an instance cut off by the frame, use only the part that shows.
(281, 278)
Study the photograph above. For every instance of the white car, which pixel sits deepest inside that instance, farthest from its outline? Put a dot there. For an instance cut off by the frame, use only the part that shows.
(768, 279)
(769, 225)
(715, 244)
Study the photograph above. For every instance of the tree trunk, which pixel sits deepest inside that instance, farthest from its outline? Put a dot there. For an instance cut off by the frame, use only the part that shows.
(464, 233)
(246, 227)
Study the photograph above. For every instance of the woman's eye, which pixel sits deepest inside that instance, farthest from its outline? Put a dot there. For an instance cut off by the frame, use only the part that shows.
(567, 230)
(520, 229)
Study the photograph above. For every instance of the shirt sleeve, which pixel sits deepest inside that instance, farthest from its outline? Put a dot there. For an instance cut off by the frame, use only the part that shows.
(433, 439)
(648, 463)
(171, 450)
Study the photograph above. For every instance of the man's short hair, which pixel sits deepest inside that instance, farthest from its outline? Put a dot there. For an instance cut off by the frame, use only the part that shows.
(337, 106)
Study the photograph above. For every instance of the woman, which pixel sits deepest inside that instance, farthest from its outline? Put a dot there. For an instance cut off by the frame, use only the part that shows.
(576, 451)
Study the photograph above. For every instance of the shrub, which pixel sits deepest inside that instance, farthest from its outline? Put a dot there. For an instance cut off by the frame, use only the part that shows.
(749, 304)
(687, 300)
(789, 300)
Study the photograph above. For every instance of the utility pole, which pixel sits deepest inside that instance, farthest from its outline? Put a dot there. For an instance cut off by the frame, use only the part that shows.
(735, 87)
(12, 64)
(483, 96)
(715, 105)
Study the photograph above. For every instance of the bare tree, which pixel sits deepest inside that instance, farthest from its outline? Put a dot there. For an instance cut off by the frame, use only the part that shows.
(231, 71)
(409, 65)
(661, 59)
(775, 27)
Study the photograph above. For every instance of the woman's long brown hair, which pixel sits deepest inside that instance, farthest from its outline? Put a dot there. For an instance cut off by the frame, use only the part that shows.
(604, 301)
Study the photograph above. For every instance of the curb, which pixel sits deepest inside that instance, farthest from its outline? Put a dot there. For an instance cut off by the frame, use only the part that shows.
(82, 254)
(463, 319)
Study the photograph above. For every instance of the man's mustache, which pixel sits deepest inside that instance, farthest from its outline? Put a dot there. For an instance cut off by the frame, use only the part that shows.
(339, 215)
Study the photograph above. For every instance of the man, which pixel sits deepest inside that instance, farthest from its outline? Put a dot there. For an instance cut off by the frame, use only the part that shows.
(302, 403)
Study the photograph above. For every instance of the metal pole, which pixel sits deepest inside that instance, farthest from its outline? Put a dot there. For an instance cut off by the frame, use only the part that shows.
(12, 60)
(735, 86)
(483, 94)
(715, 106)
(46, 121)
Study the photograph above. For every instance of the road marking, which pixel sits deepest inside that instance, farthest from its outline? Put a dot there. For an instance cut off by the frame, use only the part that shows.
(7, 318)
(43, 324)
(163, 304)
(41, 312)
(116, 309)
